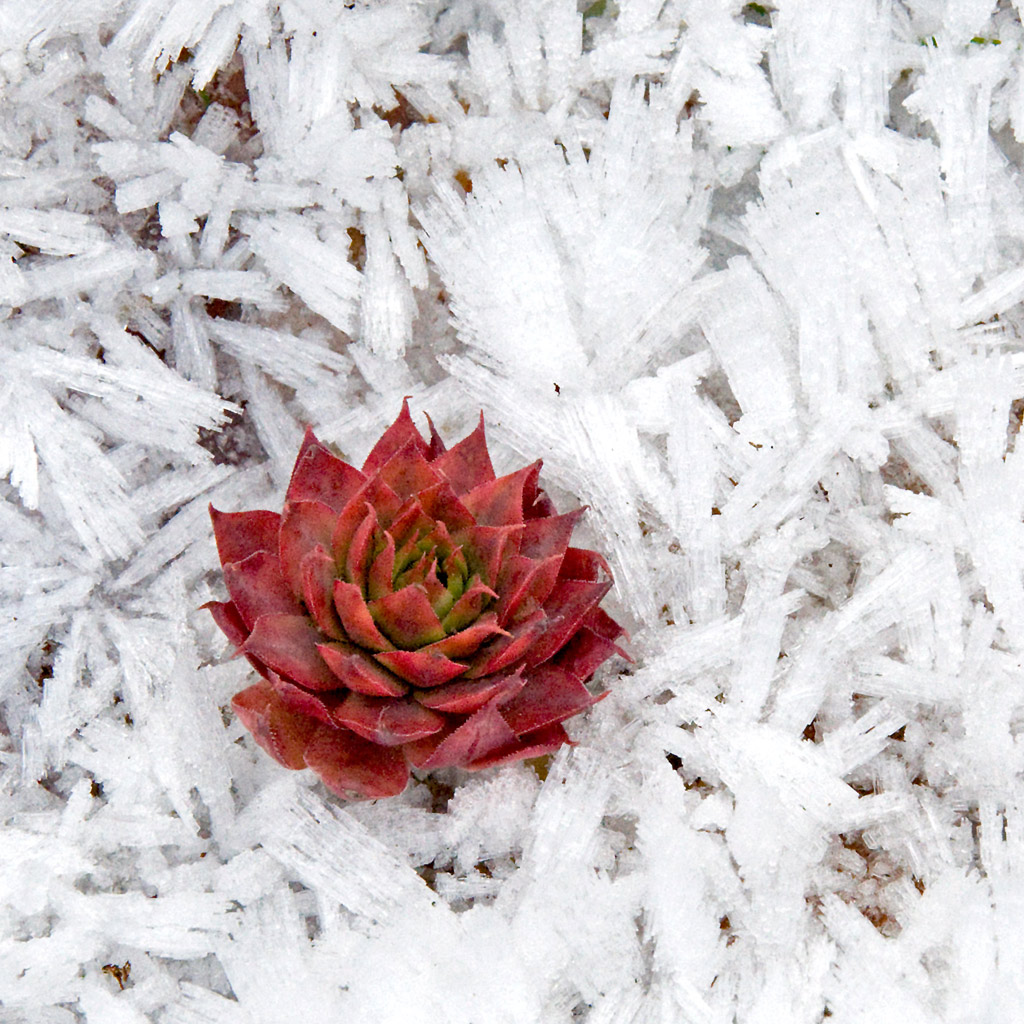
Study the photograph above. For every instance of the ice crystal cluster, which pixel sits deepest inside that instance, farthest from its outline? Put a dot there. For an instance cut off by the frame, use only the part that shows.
(747, 277)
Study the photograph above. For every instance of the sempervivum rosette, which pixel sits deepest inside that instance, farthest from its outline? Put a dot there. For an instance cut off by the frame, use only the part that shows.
(418, 612)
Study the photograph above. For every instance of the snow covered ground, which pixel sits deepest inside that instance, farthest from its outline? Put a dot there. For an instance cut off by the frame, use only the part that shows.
(748, 278)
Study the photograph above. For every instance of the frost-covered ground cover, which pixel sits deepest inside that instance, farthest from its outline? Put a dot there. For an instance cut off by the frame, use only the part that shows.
(748, 278)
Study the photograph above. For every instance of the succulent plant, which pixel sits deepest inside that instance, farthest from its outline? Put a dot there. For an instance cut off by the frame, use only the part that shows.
(418, 612)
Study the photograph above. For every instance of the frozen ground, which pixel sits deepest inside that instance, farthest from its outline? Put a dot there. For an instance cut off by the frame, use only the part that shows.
(748, 278)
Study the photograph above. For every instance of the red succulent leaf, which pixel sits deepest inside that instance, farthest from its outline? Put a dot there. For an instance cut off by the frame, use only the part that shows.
(360, 550)
(500, 502)
(304, 525)
(581, 564)
(585, 653)
(485, 548)
(348, 764)
(406, 618)
(288, 644)
(320, 476)
(604, 625)
(239, 534)
(480, 734)
(421, 611)
(225, 614)
(465, 642)
(318, 574)
(441, 504)
(399, 434)
(407, 472)
(357, 671)
(280, 733)
(386, 720)
(301, 702)
(469, 695)
(526, 580)
(566, 608)
(423, 668)
(467, 465)
(534, 744)
(505, 651)
(550, 695)
(356, 619)
(257, 587)
(468, 607)
(436, 447)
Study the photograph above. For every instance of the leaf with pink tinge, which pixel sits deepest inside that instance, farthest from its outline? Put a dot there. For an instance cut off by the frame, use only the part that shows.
(360, 550)
(358, 671)
(379, 580)
(467, 641)
(380, 498)
(482, 733)
(468, 464)
(281, 734)
(534, 744)
(604, 625)
(436, 447)
(440, 503)
(257, 588)
(239, 534)
(525, 585)
(424, 668)
(407, 472)
(356, 619)
(566, 608)
(583, 564)
(542, 538)
(225, 614)
(466, 696)
(287, 643)
(500, 502)
(301, 702)
(550, 695)
(320, 476)
(505, 651)
(406, 618)
(349, 764)
(304, 525)
(318, 575)
(386, 721)
(585, 653)
(400, 433)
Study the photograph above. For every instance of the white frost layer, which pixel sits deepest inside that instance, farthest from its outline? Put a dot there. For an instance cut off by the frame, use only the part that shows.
(747, 278)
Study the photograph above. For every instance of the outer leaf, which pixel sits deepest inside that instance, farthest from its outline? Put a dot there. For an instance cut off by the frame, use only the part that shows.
(239, 534)
(387, 721)
(400, 433)
(305, 524)
(320, 476)
(534, 744)
(288, 644)
(481, 734)
(348, 764)
(257, 587)
(550, 695)
(500, 502)
(468, 464)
